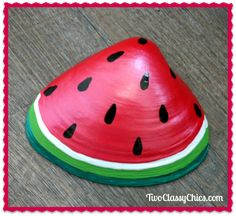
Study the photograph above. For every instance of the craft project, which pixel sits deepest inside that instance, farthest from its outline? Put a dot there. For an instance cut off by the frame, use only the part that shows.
(120, 117)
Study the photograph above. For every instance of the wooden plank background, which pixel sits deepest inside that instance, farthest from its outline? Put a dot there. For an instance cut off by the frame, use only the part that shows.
(45, 42)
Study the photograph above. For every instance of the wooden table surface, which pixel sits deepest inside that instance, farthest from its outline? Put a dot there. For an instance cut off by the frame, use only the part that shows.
(45, 42)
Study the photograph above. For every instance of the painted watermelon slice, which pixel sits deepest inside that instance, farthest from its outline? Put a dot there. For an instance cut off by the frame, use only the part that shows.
(120, 117)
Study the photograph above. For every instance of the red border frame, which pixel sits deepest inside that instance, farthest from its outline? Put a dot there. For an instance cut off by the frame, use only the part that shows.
(170, 209)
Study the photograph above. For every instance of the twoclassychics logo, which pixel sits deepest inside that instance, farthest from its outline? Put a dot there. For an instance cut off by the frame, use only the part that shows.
(183, 198)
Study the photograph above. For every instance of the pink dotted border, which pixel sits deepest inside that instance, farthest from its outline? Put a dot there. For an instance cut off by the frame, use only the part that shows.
(120, 209)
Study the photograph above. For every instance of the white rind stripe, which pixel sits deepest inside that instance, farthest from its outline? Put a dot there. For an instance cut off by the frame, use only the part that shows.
(116, 165)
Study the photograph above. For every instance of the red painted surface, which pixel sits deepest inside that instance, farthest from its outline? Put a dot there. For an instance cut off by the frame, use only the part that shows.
(137, 113)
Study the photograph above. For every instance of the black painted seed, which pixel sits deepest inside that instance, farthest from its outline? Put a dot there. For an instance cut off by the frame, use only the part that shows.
(69, 131)
(138, 147)
(142, 41)
(84, 84)
(197, 110)
(110, 115)
(49, 90)
(163, 114)
(172, 73)
(144, 83)
(115, 56)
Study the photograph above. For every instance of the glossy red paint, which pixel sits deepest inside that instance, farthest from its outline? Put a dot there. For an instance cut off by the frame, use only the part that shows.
(117, 81)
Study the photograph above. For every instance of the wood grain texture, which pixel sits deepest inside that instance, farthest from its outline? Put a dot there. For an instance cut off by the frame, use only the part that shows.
(45, 42)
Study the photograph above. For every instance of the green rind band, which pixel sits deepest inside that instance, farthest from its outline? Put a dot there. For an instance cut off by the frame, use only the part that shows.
(123, 174)
(109, 180)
